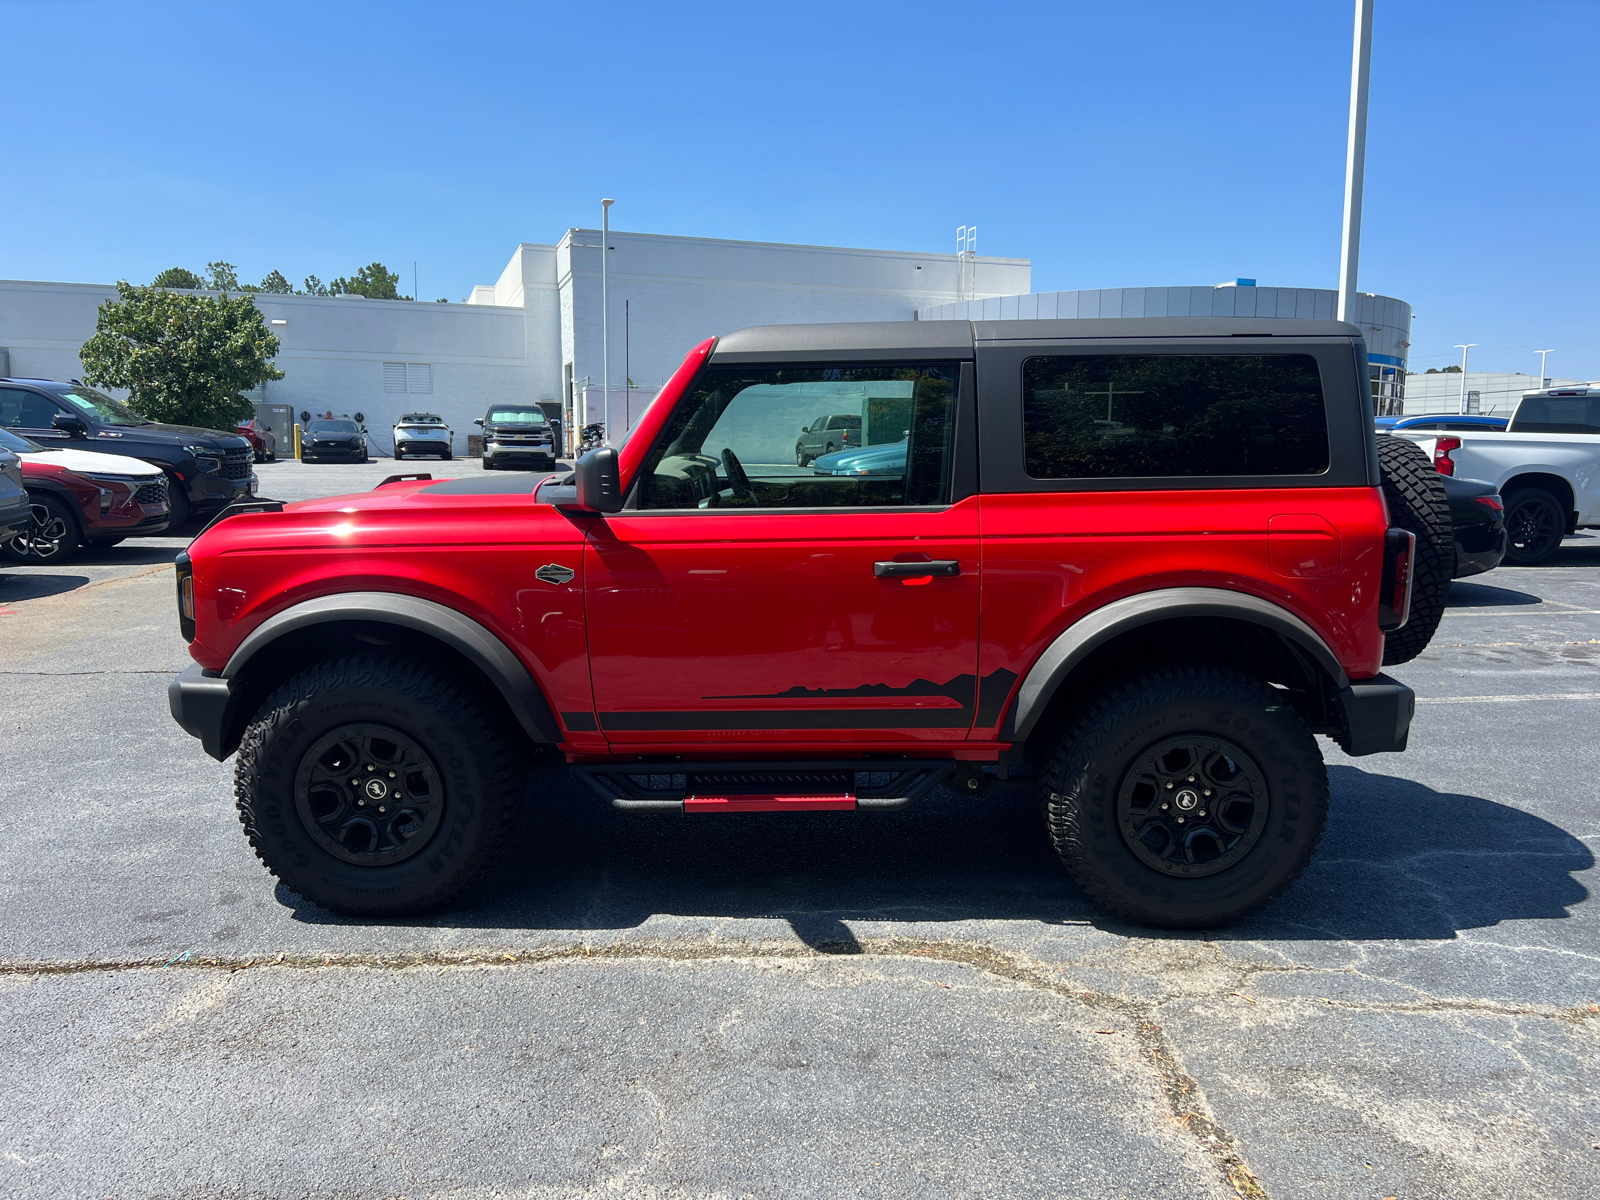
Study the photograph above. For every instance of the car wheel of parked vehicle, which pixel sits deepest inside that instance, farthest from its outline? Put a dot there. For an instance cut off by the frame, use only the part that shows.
(374, 785)
(179, 504)
(51, 535)
(829, 450)
(447, 456)
(1186, 797)
(399, 454)
(1417, 502)
(1535, 526)
(801, 458)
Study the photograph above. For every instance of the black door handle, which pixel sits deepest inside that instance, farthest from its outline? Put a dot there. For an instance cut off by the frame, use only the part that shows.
(916, 570)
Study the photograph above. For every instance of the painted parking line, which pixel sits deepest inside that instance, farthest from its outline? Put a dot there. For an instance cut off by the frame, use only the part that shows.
(1508, 699)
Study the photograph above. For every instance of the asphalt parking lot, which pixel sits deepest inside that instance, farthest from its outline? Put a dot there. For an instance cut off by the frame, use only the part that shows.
(918, 1003)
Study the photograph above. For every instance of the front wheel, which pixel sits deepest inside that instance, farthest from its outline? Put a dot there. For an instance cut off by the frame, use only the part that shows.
(51, 535)
(1186, 798)
(373, 785)
(801, 458)
(1535, 526)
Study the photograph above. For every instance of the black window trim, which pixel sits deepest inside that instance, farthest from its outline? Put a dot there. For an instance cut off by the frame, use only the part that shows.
(1003, 467)
(961, 470)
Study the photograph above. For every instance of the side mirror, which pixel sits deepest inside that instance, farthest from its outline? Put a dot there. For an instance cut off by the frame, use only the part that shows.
(598, 481)
(477, 420)
(70, 423)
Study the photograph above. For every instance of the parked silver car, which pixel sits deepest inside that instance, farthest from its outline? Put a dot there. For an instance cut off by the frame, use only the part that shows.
(421, 433)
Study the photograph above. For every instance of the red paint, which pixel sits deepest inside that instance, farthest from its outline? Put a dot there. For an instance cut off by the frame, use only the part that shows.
(44, 478)
(1302, 546)
(705, 804)
(649, 425)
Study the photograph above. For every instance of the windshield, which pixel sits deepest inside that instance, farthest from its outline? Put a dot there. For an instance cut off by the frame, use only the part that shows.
(516, 416)
(17, 444)
(101, 406)
(421, 419)
(333, 427)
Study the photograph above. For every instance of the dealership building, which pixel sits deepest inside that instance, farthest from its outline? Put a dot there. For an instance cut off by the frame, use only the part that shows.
(535, 334)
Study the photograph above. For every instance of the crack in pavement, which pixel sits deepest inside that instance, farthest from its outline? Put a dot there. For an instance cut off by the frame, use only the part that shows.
(1185, 1099)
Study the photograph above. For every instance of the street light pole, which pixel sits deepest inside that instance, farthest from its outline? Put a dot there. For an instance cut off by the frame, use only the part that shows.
(605, 342)
(1464, 350)
(1544, 372)
(1355, 157)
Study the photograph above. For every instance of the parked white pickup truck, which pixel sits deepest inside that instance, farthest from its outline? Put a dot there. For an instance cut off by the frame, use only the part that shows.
(1546, 465)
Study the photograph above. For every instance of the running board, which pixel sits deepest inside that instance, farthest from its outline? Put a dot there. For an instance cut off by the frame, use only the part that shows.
(801, 786)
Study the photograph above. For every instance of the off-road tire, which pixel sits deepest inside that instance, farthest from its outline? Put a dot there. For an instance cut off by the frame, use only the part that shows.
(1535, 525)
(1417, 502)
(479, 758)
(1099, 750)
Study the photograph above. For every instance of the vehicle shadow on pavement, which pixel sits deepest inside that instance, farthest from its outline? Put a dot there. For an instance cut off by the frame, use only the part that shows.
(127, 556)
(15, 586)
(1482, 595)
(1399, 860)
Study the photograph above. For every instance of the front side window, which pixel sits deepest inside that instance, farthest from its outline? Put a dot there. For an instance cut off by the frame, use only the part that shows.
(745, 438)
(21, 409)
(1110, 416)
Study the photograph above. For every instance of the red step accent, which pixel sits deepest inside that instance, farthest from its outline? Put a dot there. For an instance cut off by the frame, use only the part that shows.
(706, 804)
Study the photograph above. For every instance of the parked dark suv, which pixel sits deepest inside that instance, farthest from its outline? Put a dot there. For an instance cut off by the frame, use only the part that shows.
(206, 469)
(1178, 533)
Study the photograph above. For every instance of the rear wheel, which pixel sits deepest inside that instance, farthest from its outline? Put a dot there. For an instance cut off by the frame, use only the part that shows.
(1535, 525)
(1185, 798)
(51, 535)
(1417, 502)
(373, 785)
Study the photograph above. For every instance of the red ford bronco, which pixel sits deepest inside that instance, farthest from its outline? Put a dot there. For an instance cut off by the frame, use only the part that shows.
(1134, 564)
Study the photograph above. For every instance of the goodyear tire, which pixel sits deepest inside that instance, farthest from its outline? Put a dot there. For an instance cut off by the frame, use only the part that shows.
(1417, 502)
(376, 786)
(1185, 798)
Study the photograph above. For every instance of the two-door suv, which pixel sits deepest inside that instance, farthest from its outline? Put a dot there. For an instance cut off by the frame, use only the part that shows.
(1134, 564)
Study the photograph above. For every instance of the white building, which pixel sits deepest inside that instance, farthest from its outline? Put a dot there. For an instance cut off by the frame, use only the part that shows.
(535, 334)
(1491, 393)
(1385, 321)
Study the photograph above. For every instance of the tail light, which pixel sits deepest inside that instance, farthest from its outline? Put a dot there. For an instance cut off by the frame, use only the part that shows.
(1493, 503)
(1394, 591)
(185, 571)
(1442, 449)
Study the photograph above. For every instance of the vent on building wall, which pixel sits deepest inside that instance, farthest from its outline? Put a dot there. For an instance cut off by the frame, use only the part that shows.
(416, 378)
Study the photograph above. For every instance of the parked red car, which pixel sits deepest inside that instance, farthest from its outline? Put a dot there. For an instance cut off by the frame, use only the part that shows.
(79, 498)
(1174, 531)
(262, 440)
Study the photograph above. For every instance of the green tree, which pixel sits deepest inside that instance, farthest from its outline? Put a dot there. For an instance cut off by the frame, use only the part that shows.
(177, 277)
(184, 358)
(1451, 370)
(315, 286)
(275, 284)
(222, 277)
(374, 281)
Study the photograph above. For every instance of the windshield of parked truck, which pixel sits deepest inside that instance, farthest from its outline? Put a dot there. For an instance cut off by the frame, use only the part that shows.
(1558, 414)
(100, 406)
(516, 416)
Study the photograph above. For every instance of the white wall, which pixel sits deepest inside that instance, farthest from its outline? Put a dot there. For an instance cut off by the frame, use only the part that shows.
(1498, 392)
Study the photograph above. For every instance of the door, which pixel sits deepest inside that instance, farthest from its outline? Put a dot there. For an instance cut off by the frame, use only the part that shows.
(746, 602)
(29, 414)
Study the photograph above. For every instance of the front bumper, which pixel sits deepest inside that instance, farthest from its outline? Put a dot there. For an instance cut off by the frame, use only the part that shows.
(1377, 716)
(502, 452)
(202, 702)
(313, 452)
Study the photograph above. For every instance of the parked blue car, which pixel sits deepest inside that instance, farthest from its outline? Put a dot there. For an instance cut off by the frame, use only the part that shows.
(884, 459)
(1445, 422)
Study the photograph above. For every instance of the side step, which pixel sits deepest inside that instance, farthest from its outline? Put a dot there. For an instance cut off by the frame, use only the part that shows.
(802, 786)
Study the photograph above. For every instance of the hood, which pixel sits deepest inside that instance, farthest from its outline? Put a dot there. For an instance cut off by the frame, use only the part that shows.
(92, 462)
(172, 435)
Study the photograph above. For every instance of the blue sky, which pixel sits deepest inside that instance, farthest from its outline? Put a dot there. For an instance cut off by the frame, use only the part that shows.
(1115, 145)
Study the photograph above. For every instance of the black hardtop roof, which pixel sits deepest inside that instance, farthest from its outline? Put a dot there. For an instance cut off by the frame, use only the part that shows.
(959, 339)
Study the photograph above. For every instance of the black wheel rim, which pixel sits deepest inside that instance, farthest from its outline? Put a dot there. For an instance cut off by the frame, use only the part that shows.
(1534, 528)
(1192, 806)
(44, 535)
(369, 795)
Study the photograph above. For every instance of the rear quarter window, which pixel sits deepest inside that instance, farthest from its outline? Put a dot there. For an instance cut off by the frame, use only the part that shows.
(1107, 416)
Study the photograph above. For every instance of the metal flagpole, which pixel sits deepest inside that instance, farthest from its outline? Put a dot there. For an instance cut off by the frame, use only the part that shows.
(1355, 158)
(605, 342)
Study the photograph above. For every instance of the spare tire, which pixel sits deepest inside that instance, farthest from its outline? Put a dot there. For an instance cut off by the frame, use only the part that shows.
(1417, 502)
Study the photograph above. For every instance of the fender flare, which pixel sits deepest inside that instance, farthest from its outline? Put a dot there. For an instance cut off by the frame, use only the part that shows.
(1088, 633)
(461, 633)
